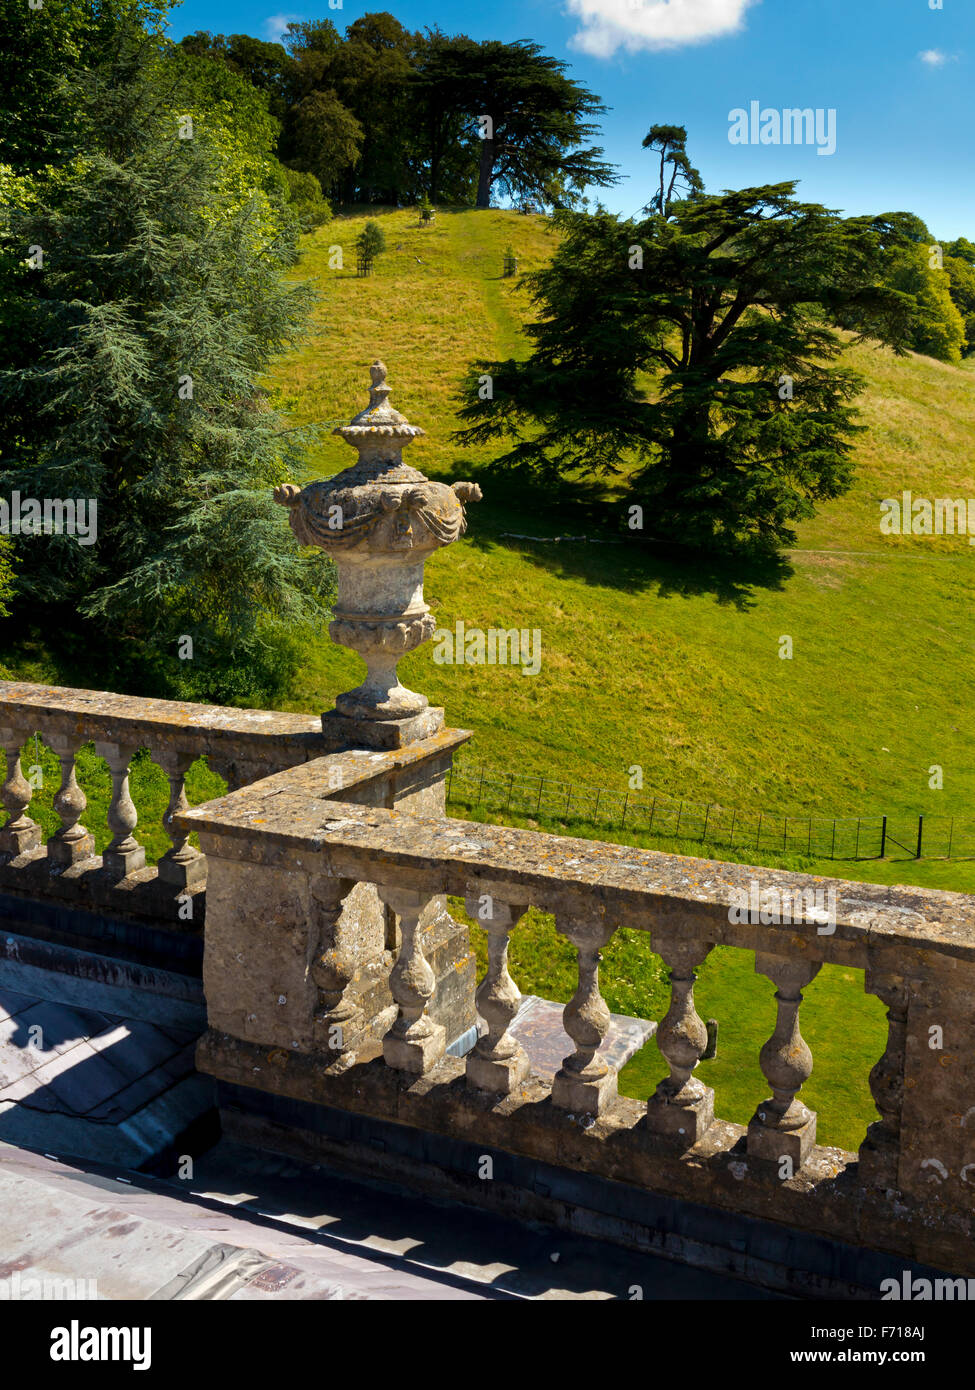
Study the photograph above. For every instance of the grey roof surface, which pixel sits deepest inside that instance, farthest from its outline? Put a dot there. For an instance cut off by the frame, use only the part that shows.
(97, 1078)
(95, 1069)
(252, 1225)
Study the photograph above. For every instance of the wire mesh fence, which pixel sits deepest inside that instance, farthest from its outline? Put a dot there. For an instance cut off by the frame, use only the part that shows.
(878, 836)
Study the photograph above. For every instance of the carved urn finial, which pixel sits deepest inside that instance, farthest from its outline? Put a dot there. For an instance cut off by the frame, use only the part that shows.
(379, 519)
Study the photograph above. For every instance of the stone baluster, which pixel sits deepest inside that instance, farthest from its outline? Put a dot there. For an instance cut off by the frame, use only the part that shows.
(71, 843)
(682, 1107)
(182, 866)
(782, 1127)
(21, 834)
(339, 1017)
(585, 1083)
(498, 1062)
(124, 854)
(414, 1043)
(880, 1150)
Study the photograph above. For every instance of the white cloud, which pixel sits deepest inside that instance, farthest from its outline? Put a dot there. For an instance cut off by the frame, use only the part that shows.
(933, 57)
(275, 25)
(640, 24)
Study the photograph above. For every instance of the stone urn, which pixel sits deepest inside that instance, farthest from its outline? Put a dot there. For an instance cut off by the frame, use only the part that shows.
(379, 520)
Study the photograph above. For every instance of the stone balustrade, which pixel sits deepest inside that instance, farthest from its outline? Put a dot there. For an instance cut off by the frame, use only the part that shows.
(341, 992)
(240, 745)
(283, 862)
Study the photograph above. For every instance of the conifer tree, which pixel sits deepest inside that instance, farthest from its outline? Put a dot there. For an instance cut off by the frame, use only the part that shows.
(371, 242)
(159, 307)
(696, 353)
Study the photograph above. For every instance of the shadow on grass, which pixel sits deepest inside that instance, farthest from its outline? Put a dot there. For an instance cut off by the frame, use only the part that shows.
(517, 510)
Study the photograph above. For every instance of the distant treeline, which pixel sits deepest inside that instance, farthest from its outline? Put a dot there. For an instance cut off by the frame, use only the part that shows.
(382, 115)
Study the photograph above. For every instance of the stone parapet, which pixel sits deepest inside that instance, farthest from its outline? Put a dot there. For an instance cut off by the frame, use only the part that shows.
(909, 1191)
(241, 745)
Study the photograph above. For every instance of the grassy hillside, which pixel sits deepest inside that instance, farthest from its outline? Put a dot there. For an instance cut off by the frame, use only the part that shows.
(645, 661)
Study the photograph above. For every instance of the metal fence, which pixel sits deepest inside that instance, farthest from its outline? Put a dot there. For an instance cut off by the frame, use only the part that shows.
(822, 837)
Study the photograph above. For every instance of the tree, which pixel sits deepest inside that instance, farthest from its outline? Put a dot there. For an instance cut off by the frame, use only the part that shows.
(961, 281)
(326, 138)
(305, 198)
(531, 122)
(371, 242)
(445, 140)
(937, 329)
(961, 249)
(266, 66)
(915, 267)
(372, 76)
(382, 114)
(526, 121)
(681, 178)
(37, 123)
(729, 308)
(161, 305)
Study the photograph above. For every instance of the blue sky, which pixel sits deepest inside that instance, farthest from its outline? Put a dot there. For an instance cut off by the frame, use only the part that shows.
(897, 73)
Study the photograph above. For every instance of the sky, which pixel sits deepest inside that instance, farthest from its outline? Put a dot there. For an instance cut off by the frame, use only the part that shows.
(898, 76)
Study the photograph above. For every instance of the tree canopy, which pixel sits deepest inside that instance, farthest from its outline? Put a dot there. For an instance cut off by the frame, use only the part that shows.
(133, 377)
(380, 114)
(677, 178)
(694, 355)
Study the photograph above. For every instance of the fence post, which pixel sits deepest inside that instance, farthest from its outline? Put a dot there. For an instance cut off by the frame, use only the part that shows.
(652, 805)
(856, 851)
(809, 845)
(785, 834)
(883, 838)
(832, 848)
(680, 812)
(707, 816)
(541, 783)
(920, 832)
(623, 817)
(734, 817)
(595, 809)
(951, 832)
(511, 787)
(758, 837)
(480, 790)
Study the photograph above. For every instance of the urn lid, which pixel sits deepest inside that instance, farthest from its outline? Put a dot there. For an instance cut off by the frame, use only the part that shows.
(379, 421)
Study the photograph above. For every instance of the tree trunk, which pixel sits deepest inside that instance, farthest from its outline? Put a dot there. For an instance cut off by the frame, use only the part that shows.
(485, 177)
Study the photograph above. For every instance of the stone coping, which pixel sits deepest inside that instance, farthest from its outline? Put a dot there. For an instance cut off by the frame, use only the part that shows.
(190, 728)
(279, 820)
(94, 713)
(143, 896)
